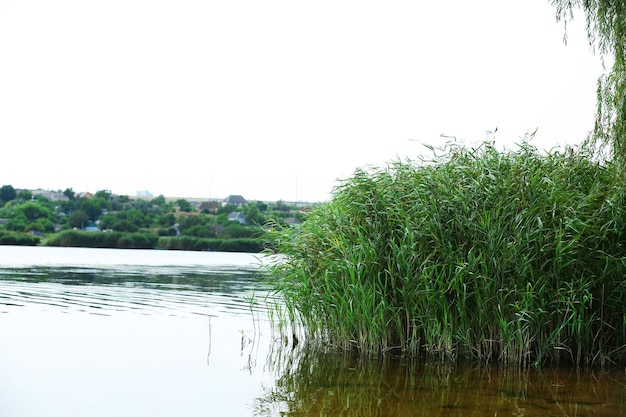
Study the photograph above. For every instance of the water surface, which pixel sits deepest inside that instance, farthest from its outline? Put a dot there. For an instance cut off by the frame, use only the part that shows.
(104, 332)
(109, 332)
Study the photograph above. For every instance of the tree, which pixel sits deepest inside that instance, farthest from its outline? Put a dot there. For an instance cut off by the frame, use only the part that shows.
(166, 220)
(94, 206)
(69, 193)
(199, 231)
(78, 219)
(606, 30)
(104, 194)
(281, 206)
(124, 226)
(183, 205)
(41, 225)
(253, 216)
(7, 193)
(32, 211)
(16, 223)
(119, 202)
(159, 201)
(24, 195)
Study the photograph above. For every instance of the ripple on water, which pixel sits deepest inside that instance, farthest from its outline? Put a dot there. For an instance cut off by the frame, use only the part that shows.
(142, 289)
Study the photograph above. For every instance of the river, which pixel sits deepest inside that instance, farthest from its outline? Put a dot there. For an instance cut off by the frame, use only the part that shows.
(110, 332)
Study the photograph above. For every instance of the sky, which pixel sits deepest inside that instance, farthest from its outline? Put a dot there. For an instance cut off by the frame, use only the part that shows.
(277, 99)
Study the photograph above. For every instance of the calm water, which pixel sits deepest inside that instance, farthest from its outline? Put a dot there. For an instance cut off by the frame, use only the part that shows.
(97, 332)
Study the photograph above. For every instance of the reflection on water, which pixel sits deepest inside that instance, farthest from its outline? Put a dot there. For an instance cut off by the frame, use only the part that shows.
(99, 332)
(103, 281)
(146, 289)
(314, 383)
(160, 333)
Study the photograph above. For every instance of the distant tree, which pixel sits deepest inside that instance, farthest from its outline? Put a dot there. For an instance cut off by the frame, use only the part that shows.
(159, 201)
(104, 194)
(281, 206)
(67, 206)
(236, 230)
(32, 211)
(144, 206)
(199, 231)
(183, 205)
(36, 227)
(222, 219)
(120, 202)
(253, 216)
(135, 216)
(107, 221)
(78, 219)
(7, 193)
(94, 206)
(200, 225)
(24, 195)
(166, 220)
(69, 193)
(17, 224)
(47, 225)
(124, 226)
(40, 198)
(41, 225)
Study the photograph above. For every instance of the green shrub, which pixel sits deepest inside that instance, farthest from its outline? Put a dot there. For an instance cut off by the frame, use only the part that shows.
(18, 238)
(137, 241)
(203, 244)
(236, 245)
(118, 240)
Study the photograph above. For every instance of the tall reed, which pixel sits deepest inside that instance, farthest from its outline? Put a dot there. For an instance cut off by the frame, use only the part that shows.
(515, 257)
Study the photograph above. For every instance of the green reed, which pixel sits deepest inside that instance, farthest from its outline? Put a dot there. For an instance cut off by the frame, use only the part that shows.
(515, 257)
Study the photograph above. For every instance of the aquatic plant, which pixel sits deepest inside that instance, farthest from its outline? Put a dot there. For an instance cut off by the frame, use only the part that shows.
(515, 257)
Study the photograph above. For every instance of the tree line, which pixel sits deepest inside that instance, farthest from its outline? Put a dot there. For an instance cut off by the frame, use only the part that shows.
(105, 219)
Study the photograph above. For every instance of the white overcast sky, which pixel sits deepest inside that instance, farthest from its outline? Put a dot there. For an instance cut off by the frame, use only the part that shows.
(274, 99)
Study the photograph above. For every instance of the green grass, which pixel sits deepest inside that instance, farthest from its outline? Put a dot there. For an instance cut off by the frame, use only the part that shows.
(513, 257)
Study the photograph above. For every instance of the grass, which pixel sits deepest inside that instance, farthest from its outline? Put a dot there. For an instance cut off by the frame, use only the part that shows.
(513, 257)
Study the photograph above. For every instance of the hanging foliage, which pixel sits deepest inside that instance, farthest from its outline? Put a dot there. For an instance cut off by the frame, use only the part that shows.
(606, 30)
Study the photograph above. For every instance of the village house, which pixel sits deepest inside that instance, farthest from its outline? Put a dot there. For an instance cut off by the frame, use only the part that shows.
(234, 200)
(237, 216)
(209, 207)
(50, 195)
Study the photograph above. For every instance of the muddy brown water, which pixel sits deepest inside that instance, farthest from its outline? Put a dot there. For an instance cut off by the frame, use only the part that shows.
(336, 385)
(96, 332)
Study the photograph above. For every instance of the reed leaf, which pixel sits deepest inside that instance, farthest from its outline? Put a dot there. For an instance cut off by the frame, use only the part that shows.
(517, 257)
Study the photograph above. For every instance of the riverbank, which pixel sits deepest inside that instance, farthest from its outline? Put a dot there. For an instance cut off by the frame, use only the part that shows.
(121, 240)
